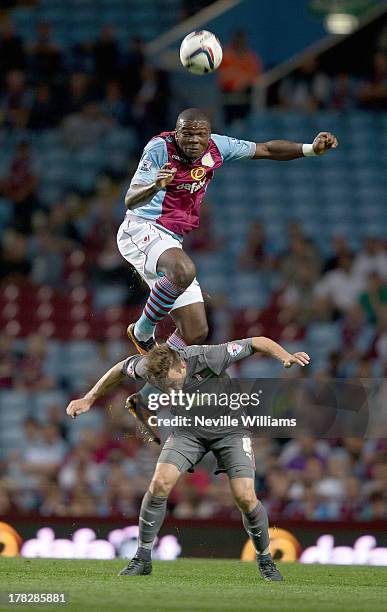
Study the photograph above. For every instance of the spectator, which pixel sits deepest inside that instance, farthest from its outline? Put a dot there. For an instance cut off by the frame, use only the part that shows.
(86, 128)
(78, 93)
(133, 64)
(14, 261)
(340, 285)
(253, 257)
(373, 94)
(30, 375)
(150, 104)
(339, 248)
(45, 56)
(371, 259)
(238, 73)
(12, 54)
(20, 186)
(115, 106)
(306, 90)
(7, 361)
(44, 113)
(374, 297)
(344, 92)
(106, 55)
(16, 101)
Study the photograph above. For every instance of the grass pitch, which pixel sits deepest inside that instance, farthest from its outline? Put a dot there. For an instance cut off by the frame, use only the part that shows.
(197, 585)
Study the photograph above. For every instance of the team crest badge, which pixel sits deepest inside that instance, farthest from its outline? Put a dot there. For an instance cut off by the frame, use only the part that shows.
(234, 349)
(207, 160)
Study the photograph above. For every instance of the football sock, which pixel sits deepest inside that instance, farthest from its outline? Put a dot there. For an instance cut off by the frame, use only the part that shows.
(152, 515)
(176, 341)
(160, 301)
(257, 526)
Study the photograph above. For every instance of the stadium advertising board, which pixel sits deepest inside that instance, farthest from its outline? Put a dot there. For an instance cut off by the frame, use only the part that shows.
(323, 543)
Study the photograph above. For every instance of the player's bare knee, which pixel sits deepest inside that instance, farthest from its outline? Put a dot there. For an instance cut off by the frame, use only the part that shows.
(246, 501)
(161, 486)
(196, 335)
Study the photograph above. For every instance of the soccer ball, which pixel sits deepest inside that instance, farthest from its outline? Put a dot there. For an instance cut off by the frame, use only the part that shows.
(201, 52)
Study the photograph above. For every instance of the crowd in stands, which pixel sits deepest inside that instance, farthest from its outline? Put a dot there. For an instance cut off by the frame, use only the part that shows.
(41, 83)
(106, 473)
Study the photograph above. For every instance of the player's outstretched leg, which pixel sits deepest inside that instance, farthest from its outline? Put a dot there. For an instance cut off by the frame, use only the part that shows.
(178, 272)
(152, 514)
(255, 521)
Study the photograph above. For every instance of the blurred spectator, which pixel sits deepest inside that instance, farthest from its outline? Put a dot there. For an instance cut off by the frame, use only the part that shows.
(253, 257)
(150, 104)
(306, 90)
(238, 73)
(16, 100)
(106, 54)
(77, 94)
(44, 112)
(45, 56)
(374, 297)
(372, 258)
(339, 248)
(373, 94)
(86, 128)
(7, 361)
(14, 261)
(12, 54)
(132, 66)
(115, 106)
(20, 185)
(344, 92)
(31, 374)
(47, 262)
(340, 285)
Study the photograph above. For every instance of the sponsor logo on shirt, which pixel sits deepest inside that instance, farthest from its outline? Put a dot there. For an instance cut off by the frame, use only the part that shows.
(146, 165)
(207, 160)
(180, 159)
(234, 349)
(192, 187)
(198, 173)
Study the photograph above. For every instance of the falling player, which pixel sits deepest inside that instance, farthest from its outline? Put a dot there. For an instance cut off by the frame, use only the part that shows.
(194, 368)
(163, 203)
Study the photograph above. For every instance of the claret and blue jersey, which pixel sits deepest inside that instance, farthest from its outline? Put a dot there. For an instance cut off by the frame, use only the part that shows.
(177, 208)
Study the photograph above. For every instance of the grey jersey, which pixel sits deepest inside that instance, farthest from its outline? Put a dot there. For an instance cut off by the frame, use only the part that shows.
(206, 366)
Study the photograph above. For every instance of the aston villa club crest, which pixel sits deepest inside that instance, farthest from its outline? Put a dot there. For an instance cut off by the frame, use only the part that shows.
(207, 160)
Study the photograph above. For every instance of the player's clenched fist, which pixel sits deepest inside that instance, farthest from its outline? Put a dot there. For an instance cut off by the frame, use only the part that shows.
(77, 407)
(323, 142)
(301, 359)
(165, 176)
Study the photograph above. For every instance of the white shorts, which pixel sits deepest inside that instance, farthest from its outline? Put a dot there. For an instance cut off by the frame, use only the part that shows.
(141, 243)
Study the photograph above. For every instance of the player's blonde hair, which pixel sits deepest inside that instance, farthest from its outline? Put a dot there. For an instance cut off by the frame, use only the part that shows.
(159, 361)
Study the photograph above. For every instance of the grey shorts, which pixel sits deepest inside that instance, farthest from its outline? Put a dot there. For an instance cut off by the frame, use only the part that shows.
(234, 453)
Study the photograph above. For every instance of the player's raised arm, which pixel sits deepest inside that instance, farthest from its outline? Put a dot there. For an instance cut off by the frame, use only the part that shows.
(141, 193)
(153, 174)
(109, 380)
(273, 349)
(286, 150)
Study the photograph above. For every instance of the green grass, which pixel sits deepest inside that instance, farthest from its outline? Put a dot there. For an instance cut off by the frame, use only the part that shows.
(198, 585)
